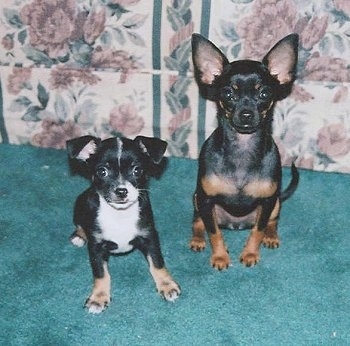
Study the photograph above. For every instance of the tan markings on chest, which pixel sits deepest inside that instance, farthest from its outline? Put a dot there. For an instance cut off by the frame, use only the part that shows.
(214, 185)
(260, 188)
(218, 185)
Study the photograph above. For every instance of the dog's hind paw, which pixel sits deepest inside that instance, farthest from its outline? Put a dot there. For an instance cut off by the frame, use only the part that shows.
(271, 242)
(77, 241)
(197, 244)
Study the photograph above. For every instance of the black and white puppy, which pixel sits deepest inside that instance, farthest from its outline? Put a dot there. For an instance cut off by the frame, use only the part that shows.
(114, 216)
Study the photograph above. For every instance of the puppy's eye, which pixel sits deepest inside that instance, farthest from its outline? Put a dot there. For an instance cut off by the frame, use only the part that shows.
(265, 93)
(102, 172)
(137, 171)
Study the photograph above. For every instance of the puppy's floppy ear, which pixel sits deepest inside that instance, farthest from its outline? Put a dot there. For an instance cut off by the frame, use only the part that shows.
(208, 60)
(282, 59)
(82, 148)
(152, 147)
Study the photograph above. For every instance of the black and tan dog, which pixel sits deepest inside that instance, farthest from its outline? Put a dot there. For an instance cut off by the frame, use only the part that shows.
(114, 216)
(239, 176)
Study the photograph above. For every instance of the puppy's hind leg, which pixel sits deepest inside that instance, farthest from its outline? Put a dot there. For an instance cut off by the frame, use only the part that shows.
(78, 237)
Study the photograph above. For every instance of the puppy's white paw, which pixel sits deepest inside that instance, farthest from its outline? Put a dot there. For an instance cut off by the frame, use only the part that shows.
(77, 241)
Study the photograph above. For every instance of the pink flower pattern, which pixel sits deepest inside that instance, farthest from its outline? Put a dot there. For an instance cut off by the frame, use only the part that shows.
(74, 67)
(124, 119)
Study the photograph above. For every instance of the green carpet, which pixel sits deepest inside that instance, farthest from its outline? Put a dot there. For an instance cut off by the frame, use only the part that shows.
(297, 295)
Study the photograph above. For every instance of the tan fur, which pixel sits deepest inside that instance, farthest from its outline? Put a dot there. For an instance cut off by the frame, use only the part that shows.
(218, 185)
(165, 284)
(260, 188)
(101, 292)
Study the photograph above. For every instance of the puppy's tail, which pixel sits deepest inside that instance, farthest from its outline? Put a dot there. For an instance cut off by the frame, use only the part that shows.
(292, 185)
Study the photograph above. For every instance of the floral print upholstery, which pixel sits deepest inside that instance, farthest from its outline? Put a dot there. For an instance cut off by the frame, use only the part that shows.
(123, 67)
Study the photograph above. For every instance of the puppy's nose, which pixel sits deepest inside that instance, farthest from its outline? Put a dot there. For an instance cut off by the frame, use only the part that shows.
(121, 192)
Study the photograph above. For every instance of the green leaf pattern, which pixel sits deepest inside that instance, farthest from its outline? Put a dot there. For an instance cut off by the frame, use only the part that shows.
(113, 67)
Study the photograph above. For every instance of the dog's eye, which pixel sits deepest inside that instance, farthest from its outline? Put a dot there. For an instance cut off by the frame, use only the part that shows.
(102, 172)
(265, 93)
(227, 94)
(137, 171)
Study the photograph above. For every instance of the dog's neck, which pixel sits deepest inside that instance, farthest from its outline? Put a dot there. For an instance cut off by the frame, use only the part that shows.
(257, 142)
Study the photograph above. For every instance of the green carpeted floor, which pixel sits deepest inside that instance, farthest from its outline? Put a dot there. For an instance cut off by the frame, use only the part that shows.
(297, 295)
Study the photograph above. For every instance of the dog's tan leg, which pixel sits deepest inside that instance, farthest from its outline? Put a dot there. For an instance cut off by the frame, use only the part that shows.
(220, 258)
(100, 296)
(250, 254)
(198, 235)
(271, 239)
(268, 236)
(197, 242)
(165, 284)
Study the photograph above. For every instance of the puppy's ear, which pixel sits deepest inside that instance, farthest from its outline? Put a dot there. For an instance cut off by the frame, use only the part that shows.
(208, 60)
(282, 59)
(82, 148)
(152, 147)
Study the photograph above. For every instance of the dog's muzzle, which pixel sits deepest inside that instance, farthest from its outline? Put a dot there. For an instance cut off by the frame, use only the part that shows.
(246, 121)
(122, 196)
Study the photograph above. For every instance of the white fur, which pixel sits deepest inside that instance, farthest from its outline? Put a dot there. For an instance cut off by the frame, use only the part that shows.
(89, 149)
(77, 241)
(119, 225)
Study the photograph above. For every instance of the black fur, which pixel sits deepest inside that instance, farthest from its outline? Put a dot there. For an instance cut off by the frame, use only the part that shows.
(119, 169)
(239, 165)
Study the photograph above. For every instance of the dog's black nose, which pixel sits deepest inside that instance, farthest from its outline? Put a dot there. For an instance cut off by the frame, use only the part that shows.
(247, 115)
(121, 192)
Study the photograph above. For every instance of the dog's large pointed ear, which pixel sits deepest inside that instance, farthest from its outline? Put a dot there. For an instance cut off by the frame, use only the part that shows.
(282, 59)
(82, 148)
(208, 60)
(152, 147)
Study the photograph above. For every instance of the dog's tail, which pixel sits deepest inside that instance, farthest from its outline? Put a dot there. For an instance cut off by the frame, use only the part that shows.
(292, 185)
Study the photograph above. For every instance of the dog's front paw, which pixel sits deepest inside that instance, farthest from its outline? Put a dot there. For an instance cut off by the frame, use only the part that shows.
(249, 259)
(169, 290)
(271, 242)
(220, 262)
(97, 303)
(197, 244)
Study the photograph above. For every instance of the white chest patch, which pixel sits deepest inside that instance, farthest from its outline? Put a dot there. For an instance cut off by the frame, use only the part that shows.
(118, 225)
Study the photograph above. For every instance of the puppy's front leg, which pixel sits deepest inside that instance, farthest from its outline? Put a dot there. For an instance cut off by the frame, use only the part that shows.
(100, 296)
(165, 284)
